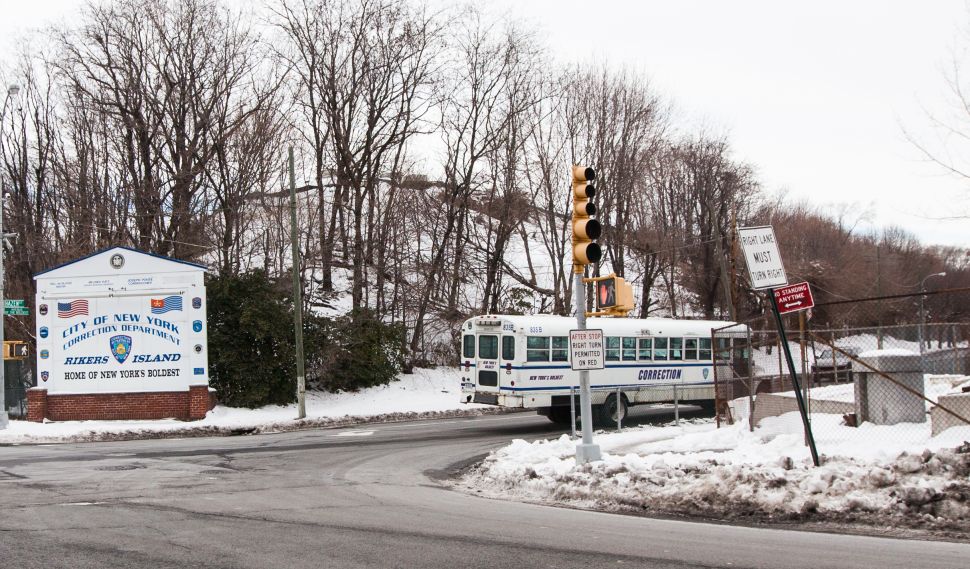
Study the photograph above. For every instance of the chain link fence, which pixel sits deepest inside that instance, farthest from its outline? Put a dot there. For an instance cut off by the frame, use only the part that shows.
(913, 376)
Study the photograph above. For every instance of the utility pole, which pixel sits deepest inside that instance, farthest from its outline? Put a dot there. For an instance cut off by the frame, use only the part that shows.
(878, 293)
(297, 299)
(3, 316)
(722, 261)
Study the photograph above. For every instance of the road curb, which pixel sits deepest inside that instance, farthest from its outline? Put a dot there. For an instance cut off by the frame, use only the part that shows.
(268, 428)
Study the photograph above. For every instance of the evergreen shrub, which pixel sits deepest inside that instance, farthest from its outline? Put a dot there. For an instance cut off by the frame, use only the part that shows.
(251, 347)
(363, 352)
(252, 350)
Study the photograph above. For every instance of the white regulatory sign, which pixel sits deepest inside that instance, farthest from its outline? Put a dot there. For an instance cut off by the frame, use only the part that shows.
(761, 253)
(586, 349)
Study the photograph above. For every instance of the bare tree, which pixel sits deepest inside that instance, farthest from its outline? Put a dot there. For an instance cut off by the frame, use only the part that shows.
(471, 127)
(369, 64)
(178, 79)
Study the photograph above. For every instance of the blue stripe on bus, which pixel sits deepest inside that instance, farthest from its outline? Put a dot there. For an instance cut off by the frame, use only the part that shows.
(608, 366)
(614, 366)
(604, 387)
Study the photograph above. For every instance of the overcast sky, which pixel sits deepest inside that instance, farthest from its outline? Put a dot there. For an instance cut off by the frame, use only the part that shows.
(814, 94)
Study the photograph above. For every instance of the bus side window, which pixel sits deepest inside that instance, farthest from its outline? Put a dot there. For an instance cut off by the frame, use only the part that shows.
(508, 348)
(629, 349)
(723, 349)
(468, 346)
(537, 349)
(488, 347)
(676, 349)
(704, 352)
(660, 349)
(646, 349)
(612, 349)
(560, 348)
(690, 349)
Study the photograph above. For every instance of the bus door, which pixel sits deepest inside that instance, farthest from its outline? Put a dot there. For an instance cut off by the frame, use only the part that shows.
(508, 359)
(487, 362)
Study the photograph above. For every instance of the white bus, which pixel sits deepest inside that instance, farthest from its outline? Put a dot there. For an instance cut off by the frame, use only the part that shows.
(523, 362)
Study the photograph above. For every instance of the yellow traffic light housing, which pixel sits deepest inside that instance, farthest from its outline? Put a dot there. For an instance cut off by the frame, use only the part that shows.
(14, 350)
(614, 296)
(585, 229)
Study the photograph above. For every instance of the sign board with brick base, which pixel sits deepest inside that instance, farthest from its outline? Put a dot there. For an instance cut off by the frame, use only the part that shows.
(121, 334)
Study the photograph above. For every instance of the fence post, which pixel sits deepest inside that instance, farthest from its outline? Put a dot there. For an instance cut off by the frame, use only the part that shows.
(677, 407)
(619, 402)
(572, 409)
(750, 381)
(781, 367)
(954, 346)
(717, 383)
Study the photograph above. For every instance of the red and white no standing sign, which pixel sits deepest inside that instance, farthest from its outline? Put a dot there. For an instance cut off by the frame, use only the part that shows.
(793, 298)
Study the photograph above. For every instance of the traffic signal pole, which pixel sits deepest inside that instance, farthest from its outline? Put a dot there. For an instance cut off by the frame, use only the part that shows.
(586, 451)
(585, 252)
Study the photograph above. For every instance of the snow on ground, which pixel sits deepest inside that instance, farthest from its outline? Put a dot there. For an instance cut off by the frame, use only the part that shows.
(426, 392)
(880, 475)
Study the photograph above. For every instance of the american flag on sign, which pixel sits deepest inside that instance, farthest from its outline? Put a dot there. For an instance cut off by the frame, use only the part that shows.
(72, 309)
(163, 305)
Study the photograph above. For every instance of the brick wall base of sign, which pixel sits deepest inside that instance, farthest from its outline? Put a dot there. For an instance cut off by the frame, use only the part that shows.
(186, 405)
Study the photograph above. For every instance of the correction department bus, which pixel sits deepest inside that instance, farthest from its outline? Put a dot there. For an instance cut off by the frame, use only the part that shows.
(523, 362)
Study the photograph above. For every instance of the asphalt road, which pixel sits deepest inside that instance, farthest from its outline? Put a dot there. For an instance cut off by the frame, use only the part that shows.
(359, 497)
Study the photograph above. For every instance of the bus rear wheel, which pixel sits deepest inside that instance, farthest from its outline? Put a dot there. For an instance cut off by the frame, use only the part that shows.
(611, 410)
(558, 415)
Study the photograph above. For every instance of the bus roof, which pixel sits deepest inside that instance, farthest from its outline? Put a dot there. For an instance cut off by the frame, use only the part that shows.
(552, 325)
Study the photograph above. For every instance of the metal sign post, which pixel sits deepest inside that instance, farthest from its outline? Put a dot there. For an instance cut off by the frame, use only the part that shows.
(809, 437)
(585, 451)
(767, 271)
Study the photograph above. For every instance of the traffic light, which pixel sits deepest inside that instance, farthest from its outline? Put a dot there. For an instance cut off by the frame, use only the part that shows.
(585, 230)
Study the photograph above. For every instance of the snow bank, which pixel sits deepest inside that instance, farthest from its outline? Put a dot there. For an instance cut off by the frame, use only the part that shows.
(425, 393)
(887, 473)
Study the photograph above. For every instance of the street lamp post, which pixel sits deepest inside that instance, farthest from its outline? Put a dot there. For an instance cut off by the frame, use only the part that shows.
(922, 312)
(12, 92)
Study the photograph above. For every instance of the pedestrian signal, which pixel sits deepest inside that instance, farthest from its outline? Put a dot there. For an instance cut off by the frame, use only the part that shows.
(14, 350)
(606, 294)
(614, 296)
